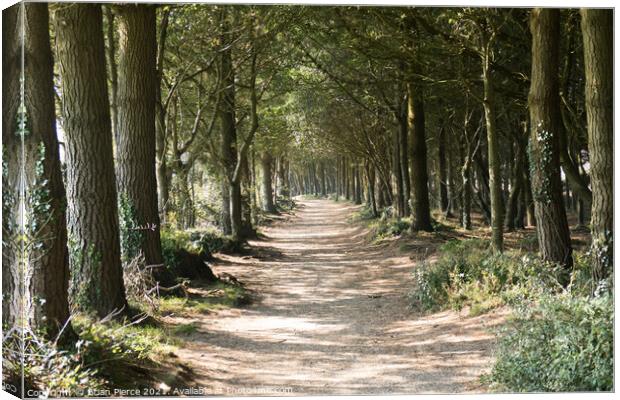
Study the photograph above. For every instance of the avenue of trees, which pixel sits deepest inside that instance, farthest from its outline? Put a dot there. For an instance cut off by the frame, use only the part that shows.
(131, 120)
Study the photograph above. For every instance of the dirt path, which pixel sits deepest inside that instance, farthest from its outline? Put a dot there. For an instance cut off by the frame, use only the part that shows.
(333, 318)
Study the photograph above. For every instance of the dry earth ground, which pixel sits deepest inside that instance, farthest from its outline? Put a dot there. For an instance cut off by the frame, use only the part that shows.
(332, 317)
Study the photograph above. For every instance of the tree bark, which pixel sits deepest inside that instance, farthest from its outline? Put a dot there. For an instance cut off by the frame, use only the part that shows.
(544, 104)
(112, 69)
(443, 172)
(40, 293)
(399, 199)
(420, 207)
(495, 180)
(358, 185)
(370, 175)
(404, 156)
(135, 147)
(266, 164)
(512, 208)
(597, 29)
(160, 126)
(229, 133)
(92, 217)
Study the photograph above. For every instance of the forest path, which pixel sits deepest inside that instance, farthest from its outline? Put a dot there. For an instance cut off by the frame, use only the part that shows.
(333, 318)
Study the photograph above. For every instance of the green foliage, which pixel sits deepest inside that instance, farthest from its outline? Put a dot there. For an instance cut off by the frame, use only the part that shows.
(47, 367)
(114, 341)
(219, 295)
(38, 201)
(470, 273)
(541, 154)
(105, 356)
(185, 329)
(205, 242)
(364, 214)
(81, 292)
(383, 228)
(130, 232)
(564, 343)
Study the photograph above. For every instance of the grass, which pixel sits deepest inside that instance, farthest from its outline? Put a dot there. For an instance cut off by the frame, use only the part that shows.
(119, 353)
(556, 339)
(210, 298)
(185, 329)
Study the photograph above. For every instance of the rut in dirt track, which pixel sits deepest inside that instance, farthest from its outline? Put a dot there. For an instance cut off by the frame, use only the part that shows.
(333, 318)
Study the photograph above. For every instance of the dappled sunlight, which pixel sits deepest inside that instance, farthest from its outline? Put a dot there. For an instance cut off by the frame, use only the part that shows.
(333, 318)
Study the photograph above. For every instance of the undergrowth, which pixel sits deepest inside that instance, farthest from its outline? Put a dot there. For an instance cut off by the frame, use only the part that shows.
(562, 343)
(116, 352)
(558, 339)
(216, 296)
(202, 242)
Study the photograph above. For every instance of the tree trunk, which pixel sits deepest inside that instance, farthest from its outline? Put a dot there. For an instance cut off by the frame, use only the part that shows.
(399, 199)
(246, 200)
(111, 58)
(323, 180)
(370, 175)
(225, 217)
(597, 29)
(404, 157)
(443, 172)
(529, 198)
(160, 126)
(266, 164)
(420, 208)
(229, 132)
(94, 248)
(512, 208)
(495, 180)
(358, 185)
(135, 147)
(544, 104)
(45, 256)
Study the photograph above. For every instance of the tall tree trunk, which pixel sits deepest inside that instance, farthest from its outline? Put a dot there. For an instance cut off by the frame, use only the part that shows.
(576, 181)
(284, 190)
(529, 198)
(544, 104)
(443, 172)
(597, 29)
(323, 180)
(111, 58)
(229, 131)
(495, 179)
(246, 200)
(403, 131)
(466, 173)
(266, 164)
(160, 126)
(420, 207)
(135, 147)
(399, 199)
(38, 292)
(358, 185)
(92, 216)
(370, 175)
(225, 217)
(512, 208)
(254, 199)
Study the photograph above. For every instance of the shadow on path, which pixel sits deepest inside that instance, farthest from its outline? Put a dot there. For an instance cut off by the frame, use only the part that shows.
(333, 319)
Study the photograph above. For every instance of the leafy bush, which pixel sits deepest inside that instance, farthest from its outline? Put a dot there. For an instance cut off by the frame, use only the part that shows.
(565, 343)
(104, 355)
(47, 367)
(388, 227)
(202, 243)
(468, 272)
(364, 214)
